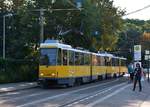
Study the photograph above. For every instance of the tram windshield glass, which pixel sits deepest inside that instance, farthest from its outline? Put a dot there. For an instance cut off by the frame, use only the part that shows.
(48, 56)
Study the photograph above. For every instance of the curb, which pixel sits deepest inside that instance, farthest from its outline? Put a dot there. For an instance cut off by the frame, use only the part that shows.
(146, 102)
(13, 89)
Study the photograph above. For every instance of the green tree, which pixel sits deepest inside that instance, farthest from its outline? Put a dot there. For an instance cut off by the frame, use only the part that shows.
(107, 20)
(130, 35)
(96, 16)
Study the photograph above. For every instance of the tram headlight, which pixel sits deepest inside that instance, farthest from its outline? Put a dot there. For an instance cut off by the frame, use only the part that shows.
(53, 74)
(41, 74)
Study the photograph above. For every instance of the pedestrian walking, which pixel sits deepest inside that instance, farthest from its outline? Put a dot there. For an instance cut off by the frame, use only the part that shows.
(131, 72)
(137, 77)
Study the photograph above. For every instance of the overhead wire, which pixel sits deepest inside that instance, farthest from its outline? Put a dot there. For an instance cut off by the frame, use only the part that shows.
(148, 6)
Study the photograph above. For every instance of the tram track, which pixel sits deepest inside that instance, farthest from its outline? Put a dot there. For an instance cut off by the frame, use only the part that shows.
(94, 88)
(37, 97)
(105, 90)
(91, 85)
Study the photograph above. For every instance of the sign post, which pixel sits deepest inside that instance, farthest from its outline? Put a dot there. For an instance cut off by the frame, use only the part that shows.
(147, 57)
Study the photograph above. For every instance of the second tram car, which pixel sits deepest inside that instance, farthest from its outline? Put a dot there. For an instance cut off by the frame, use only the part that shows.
(61, 64)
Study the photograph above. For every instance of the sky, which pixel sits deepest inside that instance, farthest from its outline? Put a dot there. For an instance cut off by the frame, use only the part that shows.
(132, 5)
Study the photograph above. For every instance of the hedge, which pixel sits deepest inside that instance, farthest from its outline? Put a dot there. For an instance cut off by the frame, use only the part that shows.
(18, 70)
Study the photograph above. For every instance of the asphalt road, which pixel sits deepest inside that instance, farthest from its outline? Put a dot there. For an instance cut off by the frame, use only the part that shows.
(87, 95)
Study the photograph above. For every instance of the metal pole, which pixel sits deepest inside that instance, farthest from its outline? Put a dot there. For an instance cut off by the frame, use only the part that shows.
(3, 37)
(42, 25)
(148, 68)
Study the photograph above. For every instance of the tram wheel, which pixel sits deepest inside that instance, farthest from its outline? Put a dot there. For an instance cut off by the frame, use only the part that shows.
(78, 81)
(44, 85)
(115, 75)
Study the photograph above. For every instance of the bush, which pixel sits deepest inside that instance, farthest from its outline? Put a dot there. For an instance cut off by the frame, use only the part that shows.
(18, 70)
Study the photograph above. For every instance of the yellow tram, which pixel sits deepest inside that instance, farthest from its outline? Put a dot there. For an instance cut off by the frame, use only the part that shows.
(61, 64)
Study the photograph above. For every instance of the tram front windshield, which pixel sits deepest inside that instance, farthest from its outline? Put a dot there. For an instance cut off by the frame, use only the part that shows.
(48, 56)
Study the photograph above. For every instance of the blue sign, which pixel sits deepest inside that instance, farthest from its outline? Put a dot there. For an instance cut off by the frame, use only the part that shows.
(79, 3)
(96, 32)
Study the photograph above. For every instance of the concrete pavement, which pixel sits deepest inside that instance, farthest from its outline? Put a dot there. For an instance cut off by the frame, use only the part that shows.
(146, 103)
(113, 93)
(125, 97)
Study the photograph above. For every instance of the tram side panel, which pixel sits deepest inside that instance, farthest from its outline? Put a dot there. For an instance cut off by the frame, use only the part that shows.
(122, 67)
(77, 69)
(98, 67)
(82, 67)
(109, 67)
(66, 70)
(115, 63)
(94, 68)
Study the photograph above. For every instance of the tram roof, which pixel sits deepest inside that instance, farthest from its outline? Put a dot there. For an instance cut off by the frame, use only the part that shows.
(108, 55)
(77, 50)
(123, 58)
(56, 44)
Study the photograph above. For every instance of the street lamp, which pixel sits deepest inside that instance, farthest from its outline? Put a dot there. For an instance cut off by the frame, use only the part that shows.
(4, 44)
(147, 57)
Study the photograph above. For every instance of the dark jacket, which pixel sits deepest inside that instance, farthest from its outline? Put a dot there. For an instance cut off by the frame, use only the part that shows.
(138, 73)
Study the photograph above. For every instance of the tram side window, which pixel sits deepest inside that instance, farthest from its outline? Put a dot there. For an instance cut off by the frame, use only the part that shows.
(71, 58)
(114, 62)
(94, 60)
(123, 62)
(79, 58)
(65, 58)
(117, 61)
(86, 59)
(82, 58)
(102, 61)
(98, 60)
(59, 57)
(108, 61)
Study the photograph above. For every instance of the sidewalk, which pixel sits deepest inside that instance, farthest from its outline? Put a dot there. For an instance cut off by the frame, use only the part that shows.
(126, 97)
(146, 102)
(141, 99)
(17, 86)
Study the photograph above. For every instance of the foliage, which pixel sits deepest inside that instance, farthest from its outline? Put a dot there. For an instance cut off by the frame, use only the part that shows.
(95, 27)
(130, 35)
(18, 70)
(96, 15)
